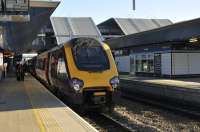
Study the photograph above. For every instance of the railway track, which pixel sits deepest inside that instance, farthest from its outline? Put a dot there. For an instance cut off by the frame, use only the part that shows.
(104, 122)
(190, 111)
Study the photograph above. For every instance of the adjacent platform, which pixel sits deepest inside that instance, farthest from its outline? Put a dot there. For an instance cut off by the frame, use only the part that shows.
(29, 107)
(181, 90)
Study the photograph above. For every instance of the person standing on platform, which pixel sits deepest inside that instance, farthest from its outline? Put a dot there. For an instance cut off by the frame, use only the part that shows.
(5, 69)
(22, 72)
(17, 71)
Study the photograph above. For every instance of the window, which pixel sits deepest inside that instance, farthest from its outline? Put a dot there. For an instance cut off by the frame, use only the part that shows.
(91, 58)
(58, 65)
(124, 52)
(41, 64)
(145, 63)
(61, 68)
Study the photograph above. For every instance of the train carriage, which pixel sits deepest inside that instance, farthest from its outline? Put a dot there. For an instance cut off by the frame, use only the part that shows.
(83, 69)
(42, 67)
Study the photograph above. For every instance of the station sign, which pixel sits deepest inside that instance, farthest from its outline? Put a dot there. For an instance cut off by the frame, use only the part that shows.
(16, 5)
(14, 10)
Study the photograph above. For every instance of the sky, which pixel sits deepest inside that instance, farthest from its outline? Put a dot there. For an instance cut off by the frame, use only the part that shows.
(101, 10)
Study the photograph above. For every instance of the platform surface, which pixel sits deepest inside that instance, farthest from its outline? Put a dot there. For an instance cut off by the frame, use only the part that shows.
(192, 83)
(29, 107)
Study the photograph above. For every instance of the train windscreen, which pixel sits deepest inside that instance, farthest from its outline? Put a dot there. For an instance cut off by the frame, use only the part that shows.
(90, 56)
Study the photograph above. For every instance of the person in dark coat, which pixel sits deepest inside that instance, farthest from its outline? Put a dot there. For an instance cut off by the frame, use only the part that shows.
(19, 72)
(17, 67)
(22, 72)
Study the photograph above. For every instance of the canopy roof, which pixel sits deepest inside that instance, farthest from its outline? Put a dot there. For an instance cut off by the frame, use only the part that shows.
(177, 32)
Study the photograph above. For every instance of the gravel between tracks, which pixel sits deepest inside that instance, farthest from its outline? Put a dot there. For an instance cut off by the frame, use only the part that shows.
(147, 118)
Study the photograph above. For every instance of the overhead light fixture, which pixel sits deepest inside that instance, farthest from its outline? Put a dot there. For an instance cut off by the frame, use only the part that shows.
(41, 35)
(193, 40)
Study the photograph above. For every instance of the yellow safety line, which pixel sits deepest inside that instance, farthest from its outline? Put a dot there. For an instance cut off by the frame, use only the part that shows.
(39, 120)
(37, 115)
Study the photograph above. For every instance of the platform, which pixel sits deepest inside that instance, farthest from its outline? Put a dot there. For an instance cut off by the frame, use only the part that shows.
(29, 107)
(182, 90)
(192, 83)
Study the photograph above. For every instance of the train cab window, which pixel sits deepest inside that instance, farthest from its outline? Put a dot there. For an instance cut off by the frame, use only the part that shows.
(91, 58)
(89, 55)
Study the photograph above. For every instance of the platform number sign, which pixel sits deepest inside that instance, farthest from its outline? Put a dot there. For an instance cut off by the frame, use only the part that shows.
(133, 4)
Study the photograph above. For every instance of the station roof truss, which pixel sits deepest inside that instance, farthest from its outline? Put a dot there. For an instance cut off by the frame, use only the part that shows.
(178, 32)
(66, 28)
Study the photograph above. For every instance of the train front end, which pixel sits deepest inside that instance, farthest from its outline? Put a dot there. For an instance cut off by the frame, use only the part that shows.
(93, 73)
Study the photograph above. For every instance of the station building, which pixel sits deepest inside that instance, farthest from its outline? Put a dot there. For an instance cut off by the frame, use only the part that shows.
(171, 51)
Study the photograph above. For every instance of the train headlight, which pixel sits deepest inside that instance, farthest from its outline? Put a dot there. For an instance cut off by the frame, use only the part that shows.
(77, 84)
(114, 82)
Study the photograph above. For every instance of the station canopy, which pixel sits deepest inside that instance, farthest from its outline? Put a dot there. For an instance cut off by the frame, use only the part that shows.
(179, 32)
(18, 35)
(66, 28)
(126, 26)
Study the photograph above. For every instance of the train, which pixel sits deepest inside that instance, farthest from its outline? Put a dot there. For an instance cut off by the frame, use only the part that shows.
(82, 70)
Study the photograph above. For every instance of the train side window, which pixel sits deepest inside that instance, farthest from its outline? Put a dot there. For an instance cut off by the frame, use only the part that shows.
(61, 69)
(53, 66)
(41, 64)
(58, 66)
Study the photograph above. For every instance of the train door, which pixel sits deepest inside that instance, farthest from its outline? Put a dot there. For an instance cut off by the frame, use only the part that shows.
(49, 69)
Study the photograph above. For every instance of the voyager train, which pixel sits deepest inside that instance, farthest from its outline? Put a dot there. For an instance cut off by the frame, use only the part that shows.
(83, 70)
